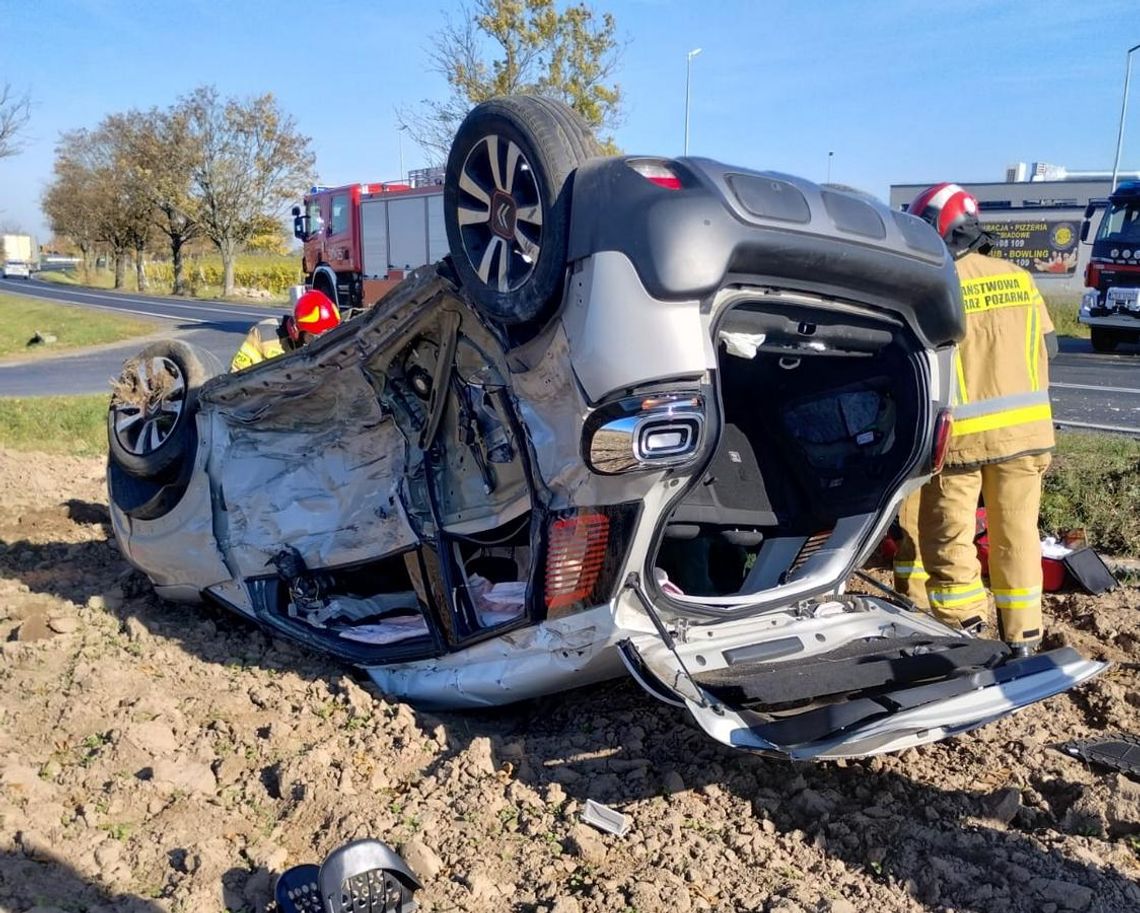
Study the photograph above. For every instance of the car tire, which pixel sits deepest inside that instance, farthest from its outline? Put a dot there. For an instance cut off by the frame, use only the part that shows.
(150, 420)
(1103, 340)
(506, 203)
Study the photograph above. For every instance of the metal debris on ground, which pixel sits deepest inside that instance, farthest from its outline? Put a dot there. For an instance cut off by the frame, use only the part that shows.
(605, 818)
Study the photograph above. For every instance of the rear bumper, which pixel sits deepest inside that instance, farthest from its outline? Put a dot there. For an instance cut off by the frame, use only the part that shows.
(1111, 322)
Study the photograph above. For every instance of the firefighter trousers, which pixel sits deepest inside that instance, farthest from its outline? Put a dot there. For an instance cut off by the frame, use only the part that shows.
(910, 572)
(943, 529)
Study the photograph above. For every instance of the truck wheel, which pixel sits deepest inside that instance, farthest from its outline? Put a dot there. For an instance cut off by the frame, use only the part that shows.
(1103, 340)
(150, 422)
(506, 203)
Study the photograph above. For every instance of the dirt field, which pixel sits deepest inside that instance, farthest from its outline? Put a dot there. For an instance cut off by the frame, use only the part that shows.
(158, 757)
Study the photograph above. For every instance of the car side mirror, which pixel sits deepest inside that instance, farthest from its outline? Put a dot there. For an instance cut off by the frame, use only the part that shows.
(1089, 210)
(300, 225)
(1085, 230)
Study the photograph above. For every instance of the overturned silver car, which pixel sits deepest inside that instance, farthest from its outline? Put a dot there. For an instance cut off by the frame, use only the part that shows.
(648, 417)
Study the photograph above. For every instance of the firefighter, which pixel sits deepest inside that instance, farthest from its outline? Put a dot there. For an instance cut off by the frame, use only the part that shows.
(999, 448)
(313, 314)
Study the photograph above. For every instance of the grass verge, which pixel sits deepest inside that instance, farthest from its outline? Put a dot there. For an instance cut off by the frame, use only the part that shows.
(1094, 483)
(73, 327)
(1063, 309)
(73, 425)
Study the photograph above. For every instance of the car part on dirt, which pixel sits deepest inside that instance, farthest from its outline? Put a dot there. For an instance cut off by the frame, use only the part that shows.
(298, 890)
(1121, 753)
(150, 422)
(506, 203)
(367, 876)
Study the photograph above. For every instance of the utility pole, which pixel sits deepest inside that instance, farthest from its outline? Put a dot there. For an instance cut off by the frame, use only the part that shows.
(688, 82)
(1123, 109)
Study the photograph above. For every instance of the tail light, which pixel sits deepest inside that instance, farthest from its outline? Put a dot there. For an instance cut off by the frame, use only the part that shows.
(586, 551)
(656, 172)
(1092, 275)
(943, 428)
(574, 558)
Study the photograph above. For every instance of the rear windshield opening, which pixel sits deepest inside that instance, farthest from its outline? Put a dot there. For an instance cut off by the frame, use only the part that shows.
(821, 414)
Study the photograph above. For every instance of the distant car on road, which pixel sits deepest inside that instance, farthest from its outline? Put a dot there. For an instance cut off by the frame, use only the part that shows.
(17, 269)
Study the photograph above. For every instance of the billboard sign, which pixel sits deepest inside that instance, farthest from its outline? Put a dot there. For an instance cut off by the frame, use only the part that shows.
(1045, 246)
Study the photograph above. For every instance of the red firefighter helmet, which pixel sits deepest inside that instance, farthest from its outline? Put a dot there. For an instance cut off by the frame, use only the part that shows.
(314, 313)
(953, 212)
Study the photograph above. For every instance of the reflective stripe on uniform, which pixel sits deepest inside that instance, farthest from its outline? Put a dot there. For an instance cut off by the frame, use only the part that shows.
(963, 396)
(1003, 420)
(1018, 598)
(1032, 347)
(1000, 404)
(945, 597)
(913, 571)
(1001, 412)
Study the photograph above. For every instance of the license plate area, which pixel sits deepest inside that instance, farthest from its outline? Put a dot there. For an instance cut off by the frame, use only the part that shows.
(1125, 299)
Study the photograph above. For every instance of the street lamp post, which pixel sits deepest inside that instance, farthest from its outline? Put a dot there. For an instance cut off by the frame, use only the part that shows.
(688, 81)
(829, 156)
(1123, 109)
(400, 140)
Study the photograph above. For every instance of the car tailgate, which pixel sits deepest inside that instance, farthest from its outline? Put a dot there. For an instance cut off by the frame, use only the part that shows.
(845, 678)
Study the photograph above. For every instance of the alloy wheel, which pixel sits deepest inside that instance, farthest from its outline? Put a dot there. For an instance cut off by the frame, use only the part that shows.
(147, 404)
(500, 213)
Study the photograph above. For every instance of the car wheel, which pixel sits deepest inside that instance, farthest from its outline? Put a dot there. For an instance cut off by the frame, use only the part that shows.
(1103, 340)
(150, 422)
(506, 203)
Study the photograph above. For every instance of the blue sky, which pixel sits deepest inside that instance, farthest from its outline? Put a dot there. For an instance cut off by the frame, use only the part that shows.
(899, 91)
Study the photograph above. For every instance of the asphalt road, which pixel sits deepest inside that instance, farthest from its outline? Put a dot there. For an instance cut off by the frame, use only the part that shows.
(1089, 389)
(215, 325)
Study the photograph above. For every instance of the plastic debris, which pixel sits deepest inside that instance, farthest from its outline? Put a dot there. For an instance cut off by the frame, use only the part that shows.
(742, 345)
(605, 818)
(1121, 753)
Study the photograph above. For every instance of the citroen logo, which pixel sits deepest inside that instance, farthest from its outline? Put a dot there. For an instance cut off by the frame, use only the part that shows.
(503, 213)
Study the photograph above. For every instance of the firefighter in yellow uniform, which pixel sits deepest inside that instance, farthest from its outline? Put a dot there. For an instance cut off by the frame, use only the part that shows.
(999, 447)
(313, 314)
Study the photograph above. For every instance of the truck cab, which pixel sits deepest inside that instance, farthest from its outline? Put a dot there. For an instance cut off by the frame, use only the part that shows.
(1111, 303)
(360, 239)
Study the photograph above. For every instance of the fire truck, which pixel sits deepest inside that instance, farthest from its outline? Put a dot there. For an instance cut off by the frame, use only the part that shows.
(360, 239)
(1111, 306)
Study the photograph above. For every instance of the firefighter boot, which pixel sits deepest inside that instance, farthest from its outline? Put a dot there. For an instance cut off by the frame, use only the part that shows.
(1012, 492)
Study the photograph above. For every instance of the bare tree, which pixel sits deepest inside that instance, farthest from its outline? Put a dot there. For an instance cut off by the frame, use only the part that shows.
(569, 54)
(251, 159)
(15, 111)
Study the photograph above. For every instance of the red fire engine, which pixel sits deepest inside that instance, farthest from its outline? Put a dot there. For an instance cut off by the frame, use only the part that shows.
(360, 239)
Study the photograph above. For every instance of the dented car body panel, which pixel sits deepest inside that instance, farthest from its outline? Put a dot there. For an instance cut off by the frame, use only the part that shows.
(673, 473)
